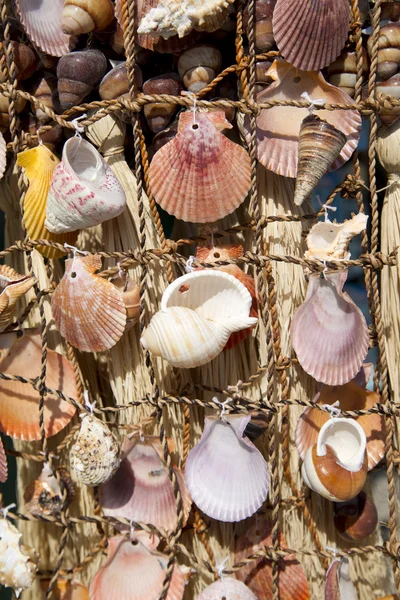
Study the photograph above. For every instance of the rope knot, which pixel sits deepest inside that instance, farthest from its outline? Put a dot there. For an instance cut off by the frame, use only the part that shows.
(351, 186)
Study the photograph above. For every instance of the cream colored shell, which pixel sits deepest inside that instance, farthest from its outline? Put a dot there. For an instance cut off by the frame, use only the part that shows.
(18, 563)
(330, 241)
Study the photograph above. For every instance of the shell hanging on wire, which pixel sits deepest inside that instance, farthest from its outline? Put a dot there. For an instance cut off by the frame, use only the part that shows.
(3, 156)
(84, 16)
(338, 584)
(12, 287)
(224, 588)
(330, 241)
(78, 73)
(87, 309)
(18, 563)
(44, 497)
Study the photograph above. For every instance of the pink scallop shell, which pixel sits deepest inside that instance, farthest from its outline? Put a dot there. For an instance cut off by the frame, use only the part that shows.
(3, 157)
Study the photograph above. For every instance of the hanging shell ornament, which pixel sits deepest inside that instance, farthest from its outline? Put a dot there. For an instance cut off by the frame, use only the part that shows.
(224, 588)
(200, 176)
(388, 50)
(355, 519)
(330, 241)
(12, 287)
(226, 475)
(342, 72)
(339, 585)
(39, 164)
(66, 589)
(3, 155)
(198, 66)
(157, 114)
(44, 496)
(130, 293)
(78, 73)
(84, 16)
(18, 563)
(84, 190)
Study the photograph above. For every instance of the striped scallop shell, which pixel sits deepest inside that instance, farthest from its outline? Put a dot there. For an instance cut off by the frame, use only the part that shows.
(309, 34)
(225, 588)
(12, 287)
(88, 310)
(3, 157)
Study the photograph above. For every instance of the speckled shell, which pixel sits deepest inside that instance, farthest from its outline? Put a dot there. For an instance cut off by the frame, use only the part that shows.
(87, 309)
(12, 287)
(44, 497)
(83, 16)
(18, 563)
(95, 456)
(330, 241)
(224, 588)
(77, 74)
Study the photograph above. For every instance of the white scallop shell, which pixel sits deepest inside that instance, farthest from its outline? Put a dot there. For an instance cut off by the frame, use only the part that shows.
(18, 564)
(226, 475)
(227, 588)
(3, 158)
(83, 191)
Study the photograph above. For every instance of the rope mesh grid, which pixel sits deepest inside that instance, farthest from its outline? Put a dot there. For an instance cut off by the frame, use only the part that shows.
(276, 369)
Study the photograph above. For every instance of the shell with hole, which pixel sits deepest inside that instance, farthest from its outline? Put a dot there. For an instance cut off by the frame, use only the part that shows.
(338, 585)
(200, 176)
(355, 519)
(388, 50)
(342, 72)
(18, 563)
(88, 310)
(12, 287)
(199, 312)
(84, 191)
(83, 16)
(158, 114)
(141, 488)
(337, 465)
(44, 497)
(130, 292)
(224, 588)
(198, 66)
(78, 73)
(330, 241)
(226, 474)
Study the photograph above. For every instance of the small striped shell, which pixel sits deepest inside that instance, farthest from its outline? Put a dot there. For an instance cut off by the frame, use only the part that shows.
(95, 456)
(12, 287)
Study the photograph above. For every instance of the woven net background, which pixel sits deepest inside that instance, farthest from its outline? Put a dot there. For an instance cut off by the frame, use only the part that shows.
(133, 389)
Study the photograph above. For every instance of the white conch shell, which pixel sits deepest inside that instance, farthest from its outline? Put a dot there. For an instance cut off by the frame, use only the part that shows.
(84, 190)
(226, 475)
(227, 587)
(336, 466)
(199, 312)
(18, 563)
(95, 456)
(338, 583)
(327, 240)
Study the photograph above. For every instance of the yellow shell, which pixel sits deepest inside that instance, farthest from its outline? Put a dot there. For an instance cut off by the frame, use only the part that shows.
(39, 164)
(12, 287)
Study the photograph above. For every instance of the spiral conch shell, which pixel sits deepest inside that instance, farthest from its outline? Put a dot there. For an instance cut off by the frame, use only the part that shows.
(12, 287)
(95, 456)
(330, 241)
(18, 563)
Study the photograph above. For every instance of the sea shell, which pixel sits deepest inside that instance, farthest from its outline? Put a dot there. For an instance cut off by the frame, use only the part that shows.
(338, 584)
(391, 87)
(320, 144)
(388, 50)
(329, 332)
(42, 23)
(3, 156)
(130, 292)
(84, 191)
(19, 402)
(3, 463)
(200, 176)
(264, 37)
(278, 127)
(115, 83)
(198, 66)
(4, 112)
(25, 61)
(12, 287)
(87, 309)
(292, 582)
(355, 519)
(39, 164)
(309, 34)
(44, 88)
(66, 589)
(226, 475)
(337, 465)
(165, 136)
(342, 72)
(18, 563)
(83, 16)
(44, 496)
(141, 489)
(78, 73)
(134, 572)
(330, 241)
(158, 115)
(224, 588)
(95, 456)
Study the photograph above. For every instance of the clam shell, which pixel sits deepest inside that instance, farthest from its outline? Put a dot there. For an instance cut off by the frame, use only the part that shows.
(330, 241)
(12, 287)
(39, 164)
(226, 475)
(338, 584)
(200, 176)
(355, 519)
(19, 402)
(134, 572)
(87, 309)
(42, 22)
(84, 191)
(3, 157)
(329, 332)
(43, 496)
(18, 563)
(141, 489)
(278, 128)
(226, 588)
(3, 463)
(309, 34)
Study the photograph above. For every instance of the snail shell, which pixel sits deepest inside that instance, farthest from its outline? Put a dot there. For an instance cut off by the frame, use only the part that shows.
(25, 60)
(356, 519)
(342, 72)
(390, 87)
(78, 73)
(158, 115)
(199, 66)
(264, 37)
(388, 50)
(44, 88)
(4, 116)
(83, 16)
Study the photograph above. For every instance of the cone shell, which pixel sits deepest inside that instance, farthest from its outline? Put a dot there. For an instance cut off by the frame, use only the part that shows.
(78, 73)
(292, 582)
(329, 332)
(3, 157)
(200, 176)
(66, 589)
(18, 563)
(12, 287)
(226, 475)
(42, 23)
(87, 309)
(309, 34)
(39, 164)
(141, 489)
(278, 127)
(320, 144)
(3, 463)
(44, 497)
(83, 16)
(355, 519)
(84, 191)
(330, 241)
(134, 572)
(224, 588)
(19, 402)
(338, 584)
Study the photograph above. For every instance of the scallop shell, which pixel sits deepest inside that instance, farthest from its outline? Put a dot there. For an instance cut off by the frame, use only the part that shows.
(44, 497)
(3, 463)
(66, 589)
(338, 584)
(87, 309)
(355, 519)
(12, 287)
(19, 402)
(226, 475)
(95, 456)
(200, 176)
(3, 157)
(226, 588)
(84, 16)
(42, 22)
(330, 241)
(39, 164)
(84, 191)
(134, 572)
(278, 128)
(141, 489)
(18, 563)
(329, 332)
(309, 34)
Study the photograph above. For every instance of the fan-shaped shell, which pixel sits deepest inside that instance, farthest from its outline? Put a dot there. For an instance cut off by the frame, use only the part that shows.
(3, 464)
(39, 164)
(226, 475)
(329, 332)
(224, 588)
(44, 496)
(19, 402)
(338, 584)
(3, 157)
(200, 176)
(330, 241)
(84, 190)
(42, 22)
(87, 309)
(12, 287)
(278, 127)
(309, 34)
(18, 563)
(141, 489)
